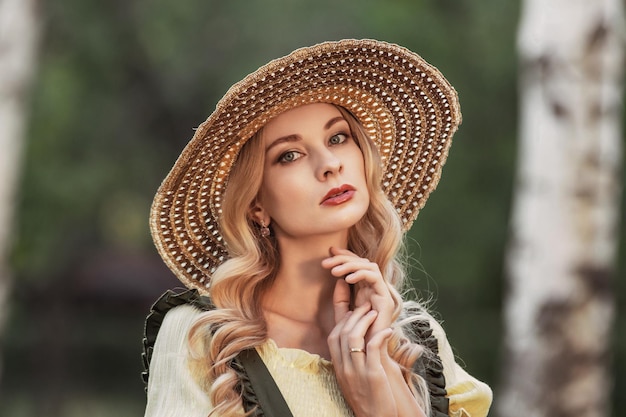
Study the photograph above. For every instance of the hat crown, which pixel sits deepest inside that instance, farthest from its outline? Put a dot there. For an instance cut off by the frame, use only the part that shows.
(405, 105)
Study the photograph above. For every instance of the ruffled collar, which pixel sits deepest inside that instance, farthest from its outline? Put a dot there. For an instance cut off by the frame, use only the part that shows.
(292, 357)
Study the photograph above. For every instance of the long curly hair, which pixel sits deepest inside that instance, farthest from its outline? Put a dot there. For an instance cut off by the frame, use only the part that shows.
(237, 323)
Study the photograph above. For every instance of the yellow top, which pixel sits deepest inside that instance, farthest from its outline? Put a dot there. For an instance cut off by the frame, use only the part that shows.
(306, 380)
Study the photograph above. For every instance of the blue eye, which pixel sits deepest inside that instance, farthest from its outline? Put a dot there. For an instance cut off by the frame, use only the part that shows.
(289, 156)
(338, 139)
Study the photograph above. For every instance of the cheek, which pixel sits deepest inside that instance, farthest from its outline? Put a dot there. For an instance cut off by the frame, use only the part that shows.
(275, 192)
(359, 163)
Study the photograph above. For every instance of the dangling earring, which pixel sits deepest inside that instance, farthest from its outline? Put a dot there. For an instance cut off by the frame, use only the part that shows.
(265, 231)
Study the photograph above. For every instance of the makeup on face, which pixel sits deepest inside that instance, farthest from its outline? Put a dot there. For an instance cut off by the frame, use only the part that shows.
(314, 175)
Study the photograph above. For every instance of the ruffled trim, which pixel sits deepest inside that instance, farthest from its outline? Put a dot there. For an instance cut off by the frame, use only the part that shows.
(460, 413)
(294, 358)
(430, 367)
(469, 398)
(249, 399)
(159, 309)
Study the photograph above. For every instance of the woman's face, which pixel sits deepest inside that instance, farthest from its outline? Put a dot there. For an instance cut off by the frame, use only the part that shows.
(314, 176)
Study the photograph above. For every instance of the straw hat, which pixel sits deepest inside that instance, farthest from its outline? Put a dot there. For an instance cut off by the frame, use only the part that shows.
(408, 108)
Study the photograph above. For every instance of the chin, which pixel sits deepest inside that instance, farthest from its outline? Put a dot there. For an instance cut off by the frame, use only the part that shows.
(350, 222)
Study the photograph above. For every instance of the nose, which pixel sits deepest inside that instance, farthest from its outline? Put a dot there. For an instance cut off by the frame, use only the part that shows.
(329, 164)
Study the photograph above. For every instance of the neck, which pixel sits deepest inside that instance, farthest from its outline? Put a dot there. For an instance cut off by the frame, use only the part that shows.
(303, 290)
(298, 307)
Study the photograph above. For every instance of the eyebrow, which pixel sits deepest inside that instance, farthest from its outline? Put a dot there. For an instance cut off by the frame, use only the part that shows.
(294, 137)
(332, 121)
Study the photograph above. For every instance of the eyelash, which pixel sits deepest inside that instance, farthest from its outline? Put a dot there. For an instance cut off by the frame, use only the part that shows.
(282, 160)
(345, 138)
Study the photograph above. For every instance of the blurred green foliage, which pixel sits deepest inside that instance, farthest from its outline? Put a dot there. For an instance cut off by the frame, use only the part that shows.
(120, 86)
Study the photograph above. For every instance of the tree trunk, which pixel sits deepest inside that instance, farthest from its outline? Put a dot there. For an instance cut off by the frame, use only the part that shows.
(564, 238)
(18, 40)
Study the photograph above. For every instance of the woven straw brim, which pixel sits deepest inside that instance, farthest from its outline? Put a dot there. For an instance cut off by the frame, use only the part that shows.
(408, 108)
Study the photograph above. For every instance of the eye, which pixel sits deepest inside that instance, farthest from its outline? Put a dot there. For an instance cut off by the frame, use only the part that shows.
(338, 139)
(289, 156)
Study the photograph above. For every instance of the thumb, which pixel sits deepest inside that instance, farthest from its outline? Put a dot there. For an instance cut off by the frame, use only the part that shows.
(341, 299)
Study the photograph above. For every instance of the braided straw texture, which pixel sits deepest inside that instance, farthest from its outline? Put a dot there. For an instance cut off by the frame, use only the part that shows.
(408, 108)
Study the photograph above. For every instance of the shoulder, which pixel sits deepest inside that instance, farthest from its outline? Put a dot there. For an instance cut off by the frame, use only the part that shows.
(169, 321)
(171, 387)
(469, 397)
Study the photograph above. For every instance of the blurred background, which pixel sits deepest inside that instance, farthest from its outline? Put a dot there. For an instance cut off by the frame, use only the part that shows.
(118, 87)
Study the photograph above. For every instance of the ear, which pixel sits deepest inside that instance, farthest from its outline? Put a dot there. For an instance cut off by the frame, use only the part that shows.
(258, 214)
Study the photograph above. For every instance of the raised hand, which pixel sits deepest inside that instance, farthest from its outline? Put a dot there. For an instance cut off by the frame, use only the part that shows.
(371, 382)
(370, 286)
(358, 365)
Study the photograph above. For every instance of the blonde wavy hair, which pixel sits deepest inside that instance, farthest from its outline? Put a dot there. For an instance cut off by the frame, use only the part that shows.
(237, 323)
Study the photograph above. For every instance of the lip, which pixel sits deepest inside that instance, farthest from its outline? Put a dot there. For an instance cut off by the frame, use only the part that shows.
(338, 195)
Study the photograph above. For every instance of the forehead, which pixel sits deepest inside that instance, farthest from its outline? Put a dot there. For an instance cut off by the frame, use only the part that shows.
(300, 119)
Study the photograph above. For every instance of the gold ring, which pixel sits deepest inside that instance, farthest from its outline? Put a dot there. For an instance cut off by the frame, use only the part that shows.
(354, 350)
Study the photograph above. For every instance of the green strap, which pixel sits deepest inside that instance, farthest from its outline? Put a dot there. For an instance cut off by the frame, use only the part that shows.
(270, 399)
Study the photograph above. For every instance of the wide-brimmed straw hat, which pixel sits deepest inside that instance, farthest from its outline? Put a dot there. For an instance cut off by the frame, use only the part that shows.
(407, 107)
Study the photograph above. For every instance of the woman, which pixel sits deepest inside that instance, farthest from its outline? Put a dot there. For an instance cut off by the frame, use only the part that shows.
(285, 215)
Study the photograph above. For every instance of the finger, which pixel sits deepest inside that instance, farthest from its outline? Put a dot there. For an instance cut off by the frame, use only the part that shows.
(347, 322)
(335, 261)
(360, 274)
(338, 343)
(341, 299)
(339, 259)
(334, 340)
(358, 271)
(338, 256)
(338, 263)
(339, 251)
(358, 312)
(353, 337)
(376, 345)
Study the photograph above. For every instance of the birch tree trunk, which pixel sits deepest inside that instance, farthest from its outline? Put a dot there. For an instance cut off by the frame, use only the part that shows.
(18, 40)
(562, 254)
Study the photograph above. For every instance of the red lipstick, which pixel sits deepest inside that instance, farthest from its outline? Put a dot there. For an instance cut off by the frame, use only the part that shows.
(338, 195)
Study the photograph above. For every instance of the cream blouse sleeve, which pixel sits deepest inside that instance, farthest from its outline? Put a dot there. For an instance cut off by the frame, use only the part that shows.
(172, 392)
(468, 396)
